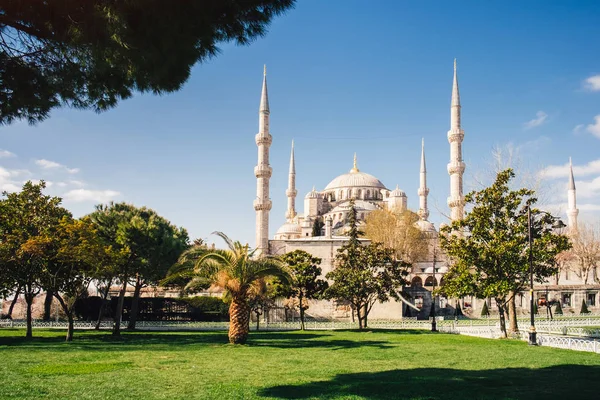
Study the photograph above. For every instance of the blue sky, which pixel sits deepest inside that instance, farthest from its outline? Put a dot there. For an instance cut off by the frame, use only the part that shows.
(345, 76)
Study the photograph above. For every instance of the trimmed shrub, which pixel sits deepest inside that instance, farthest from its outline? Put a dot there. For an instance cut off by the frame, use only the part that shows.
(558, 310)
(584, 309)
(485, 311)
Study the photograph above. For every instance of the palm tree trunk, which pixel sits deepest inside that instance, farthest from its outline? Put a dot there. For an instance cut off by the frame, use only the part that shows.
(239, 321)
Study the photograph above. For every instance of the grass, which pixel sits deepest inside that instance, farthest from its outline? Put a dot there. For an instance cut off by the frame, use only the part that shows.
(289, 365)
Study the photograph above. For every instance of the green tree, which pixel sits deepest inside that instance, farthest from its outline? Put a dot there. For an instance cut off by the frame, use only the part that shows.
(305, 283)
(28, 219)
(558, 310)
(156, 244)
(236, 270)
(261, 298)
(78, 253)
(364, 275)
(584, 308)
(485, 311)
(91, 54)
(489, 247)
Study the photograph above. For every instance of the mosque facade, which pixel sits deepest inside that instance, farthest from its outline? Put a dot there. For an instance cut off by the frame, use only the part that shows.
(332, 204)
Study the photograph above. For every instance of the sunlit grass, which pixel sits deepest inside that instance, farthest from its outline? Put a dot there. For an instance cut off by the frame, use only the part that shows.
(289, 365)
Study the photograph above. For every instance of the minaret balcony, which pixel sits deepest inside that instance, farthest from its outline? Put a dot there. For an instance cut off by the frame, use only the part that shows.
(263, 139)
(263, 171)
(291, 192)
(456, 167)
(456, 135)
(423, 191)
(262, 205)
(456, 201)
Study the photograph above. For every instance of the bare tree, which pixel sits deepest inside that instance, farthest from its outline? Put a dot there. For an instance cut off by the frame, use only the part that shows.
(585, 253)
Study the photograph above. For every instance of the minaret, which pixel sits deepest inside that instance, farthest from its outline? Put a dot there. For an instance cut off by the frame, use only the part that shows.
(572, 210)
(291, 191)
(423, 189)
(456, 166)
(262, 203)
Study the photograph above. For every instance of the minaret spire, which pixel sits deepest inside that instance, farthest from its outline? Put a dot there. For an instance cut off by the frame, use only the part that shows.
(423, 189)
(572, 210)
(456, 166)
(291, 191)
(355, 167)
(263, 171)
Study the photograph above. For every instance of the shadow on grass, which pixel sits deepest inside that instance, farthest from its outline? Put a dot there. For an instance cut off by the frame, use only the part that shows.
(556, 382)
(155, 340)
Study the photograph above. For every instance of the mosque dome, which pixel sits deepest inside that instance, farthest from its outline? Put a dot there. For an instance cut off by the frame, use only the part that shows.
(425, 226)
(355, 178)
(288, 231)
(313, 194)
(397, 192)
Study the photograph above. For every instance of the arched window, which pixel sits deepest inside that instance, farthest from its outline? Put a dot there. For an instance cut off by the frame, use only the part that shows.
(368, 195)
(349, 193)
(416, 282)
(341, 195)
(430, 281)
(358, 193)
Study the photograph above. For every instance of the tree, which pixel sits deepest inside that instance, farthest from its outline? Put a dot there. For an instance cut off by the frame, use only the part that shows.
(28, 219)
(584, 308)
(397, 231)
(305, 283)
(78, 253)
(236, 271)
(585, 254)
(364, 275)
(91, 54)
(261, 298)
(317, 226)
(485, 312)
(489, 247)
(112, 221)
(156, 244)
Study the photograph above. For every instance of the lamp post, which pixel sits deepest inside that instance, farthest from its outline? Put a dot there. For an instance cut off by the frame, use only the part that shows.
(433, 321)
(557, 225)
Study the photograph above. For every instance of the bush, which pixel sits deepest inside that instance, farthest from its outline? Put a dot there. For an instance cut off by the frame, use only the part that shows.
(558, 310)
(201, 308)
(485, 311)
(584, 309)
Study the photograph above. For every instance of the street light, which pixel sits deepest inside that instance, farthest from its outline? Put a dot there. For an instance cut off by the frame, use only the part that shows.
(558, 224)
(433, 322)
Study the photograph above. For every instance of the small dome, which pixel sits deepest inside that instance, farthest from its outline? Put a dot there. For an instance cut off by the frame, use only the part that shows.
(289, 229)
(397, 192)
(313, 194)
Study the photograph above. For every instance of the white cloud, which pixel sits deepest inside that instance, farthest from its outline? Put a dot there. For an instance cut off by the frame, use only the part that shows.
(594, 128)
(540, 118)
(592, 83)
(578, 128)
(6, 154)
(47, 164)
(562, 171)
(76, 183)
(85, 195)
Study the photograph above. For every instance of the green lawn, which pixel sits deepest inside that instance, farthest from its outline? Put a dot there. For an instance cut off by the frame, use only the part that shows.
(289, 365)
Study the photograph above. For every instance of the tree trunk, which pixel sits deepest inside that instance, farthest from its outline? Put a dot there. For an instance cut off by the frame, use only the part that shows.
(365, 316)
(29, 300)
(502, 318)
(48, 305)
(512, 314)
(301, 312)
(12, 304)
(103, 305)
(135, 302)
(359, 317)
(257, 321)
(119, 312)
(239, 321)
(69, 314)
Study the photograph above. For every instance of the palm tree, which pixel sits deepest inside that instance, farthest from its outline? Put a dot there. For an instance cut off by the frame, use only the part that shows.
(236, 271)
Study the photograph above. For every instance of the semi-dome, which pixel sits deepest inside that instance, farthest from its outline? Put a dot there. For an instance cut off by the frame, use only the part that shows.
(355, 178)
(288, 230)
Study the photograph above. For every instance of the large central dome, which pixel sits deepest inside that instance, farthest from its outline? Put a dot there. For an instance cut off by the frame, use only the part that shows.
(355, 178)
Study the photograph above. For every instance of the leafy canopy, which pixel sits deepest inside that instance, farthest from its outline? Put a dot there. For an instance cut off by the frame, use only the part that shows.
(91, 54)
